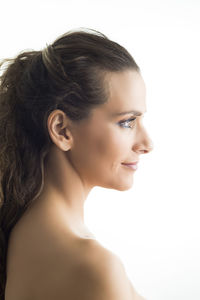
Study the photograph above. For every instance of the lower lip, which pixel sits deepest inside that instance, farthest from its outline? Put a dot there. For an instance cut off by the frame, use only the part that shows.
(132, 167)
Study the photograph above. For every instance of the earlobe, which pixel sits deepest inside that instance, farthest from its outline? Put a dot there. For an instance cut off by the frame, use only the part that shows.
(58, 127)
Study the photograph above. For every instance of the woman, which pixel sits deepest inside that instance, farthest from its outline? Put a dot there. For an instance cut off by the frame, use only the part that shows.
(70, 120)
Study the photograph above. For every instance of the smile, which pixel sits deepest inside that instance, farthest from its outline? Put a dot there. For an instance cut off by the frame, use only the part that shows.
(132, 167)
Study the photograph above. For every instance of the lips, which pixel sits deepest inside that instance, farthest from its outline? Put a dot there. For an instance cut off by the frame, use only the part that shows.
(131, 165)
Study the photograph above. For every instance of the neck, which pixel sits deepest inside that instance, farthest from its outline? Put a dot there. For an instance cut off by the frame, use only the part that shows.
(64, 193)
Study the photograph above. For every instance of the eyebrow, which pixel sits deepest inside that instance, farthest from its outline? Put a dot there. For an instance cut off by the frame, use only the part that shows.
(134, 112)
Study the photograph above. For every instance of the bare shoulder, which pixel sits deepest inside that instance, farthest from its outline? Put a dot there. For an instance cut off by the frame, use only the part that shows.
(97, 256)
(101, 275)
(105, 274)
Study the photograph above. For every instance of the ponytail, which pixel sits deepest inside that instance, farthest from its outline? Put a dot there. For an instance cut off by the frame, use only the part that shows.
(21, 157)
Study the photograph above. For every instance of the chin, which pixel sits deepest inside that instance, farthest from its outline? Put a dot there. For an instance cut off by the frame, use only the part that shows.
(123, 185)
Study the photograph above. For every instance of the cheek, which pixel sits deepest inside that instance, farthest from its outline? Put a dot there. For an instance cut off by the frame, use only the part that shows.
(99, 149)
(110, 146)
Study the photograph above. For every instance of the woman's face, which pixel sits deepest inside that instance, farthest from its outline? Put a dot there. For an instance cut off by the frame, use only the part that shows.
(109, 138)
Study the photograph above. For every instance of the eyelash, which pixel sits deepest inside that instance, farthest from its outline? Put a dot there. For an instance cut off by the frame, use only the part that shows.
(125, 121)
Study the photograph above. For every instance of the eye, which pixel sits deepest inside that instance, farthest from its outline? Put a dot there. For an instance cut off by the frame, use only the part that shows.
(127, 123)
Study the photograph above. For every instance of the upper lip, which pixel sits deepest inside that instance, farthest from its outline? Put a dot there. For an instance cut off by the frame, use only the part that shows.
(130, 163)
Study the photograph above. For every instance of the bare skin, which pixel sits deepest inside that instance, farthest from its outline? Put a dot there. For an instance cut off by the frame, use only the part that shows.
(51, 235)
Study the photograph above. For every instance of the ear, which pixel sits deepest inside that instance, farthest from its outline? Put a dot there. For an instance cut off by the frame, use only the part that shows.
(59, 129)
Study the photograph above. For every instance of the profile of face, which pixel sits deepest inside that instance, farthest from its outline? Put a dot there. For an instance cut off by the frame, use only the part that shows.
(111, 137)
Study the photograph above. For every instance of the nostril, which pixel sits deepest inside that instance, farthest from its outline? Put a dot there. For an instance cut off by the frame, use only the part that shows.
(144, 151)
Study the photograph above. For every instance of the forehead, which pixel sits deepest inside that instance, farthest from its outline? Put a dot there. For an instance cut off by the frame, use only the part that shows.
(126, 92)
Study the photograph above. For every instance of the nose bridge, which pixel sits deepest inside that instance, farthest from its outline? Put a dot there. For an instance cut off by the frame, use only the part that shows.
(142, 140)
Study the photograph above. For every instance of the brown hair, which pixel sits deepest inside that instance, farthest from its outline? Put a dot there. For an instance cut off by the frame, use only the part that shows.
(69, 75)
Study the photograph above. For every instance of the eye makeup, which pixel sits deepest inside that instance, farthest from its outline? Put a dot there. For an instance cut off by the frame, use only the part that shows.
(124, 123)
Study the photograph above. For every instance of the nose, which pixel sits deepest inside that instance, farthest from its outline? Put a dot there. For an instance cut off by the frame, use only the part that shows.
(142, 143)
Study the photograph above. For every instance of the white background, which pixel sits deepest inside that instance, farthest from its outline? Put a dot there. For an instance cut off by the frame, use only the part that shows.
(153, 227)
